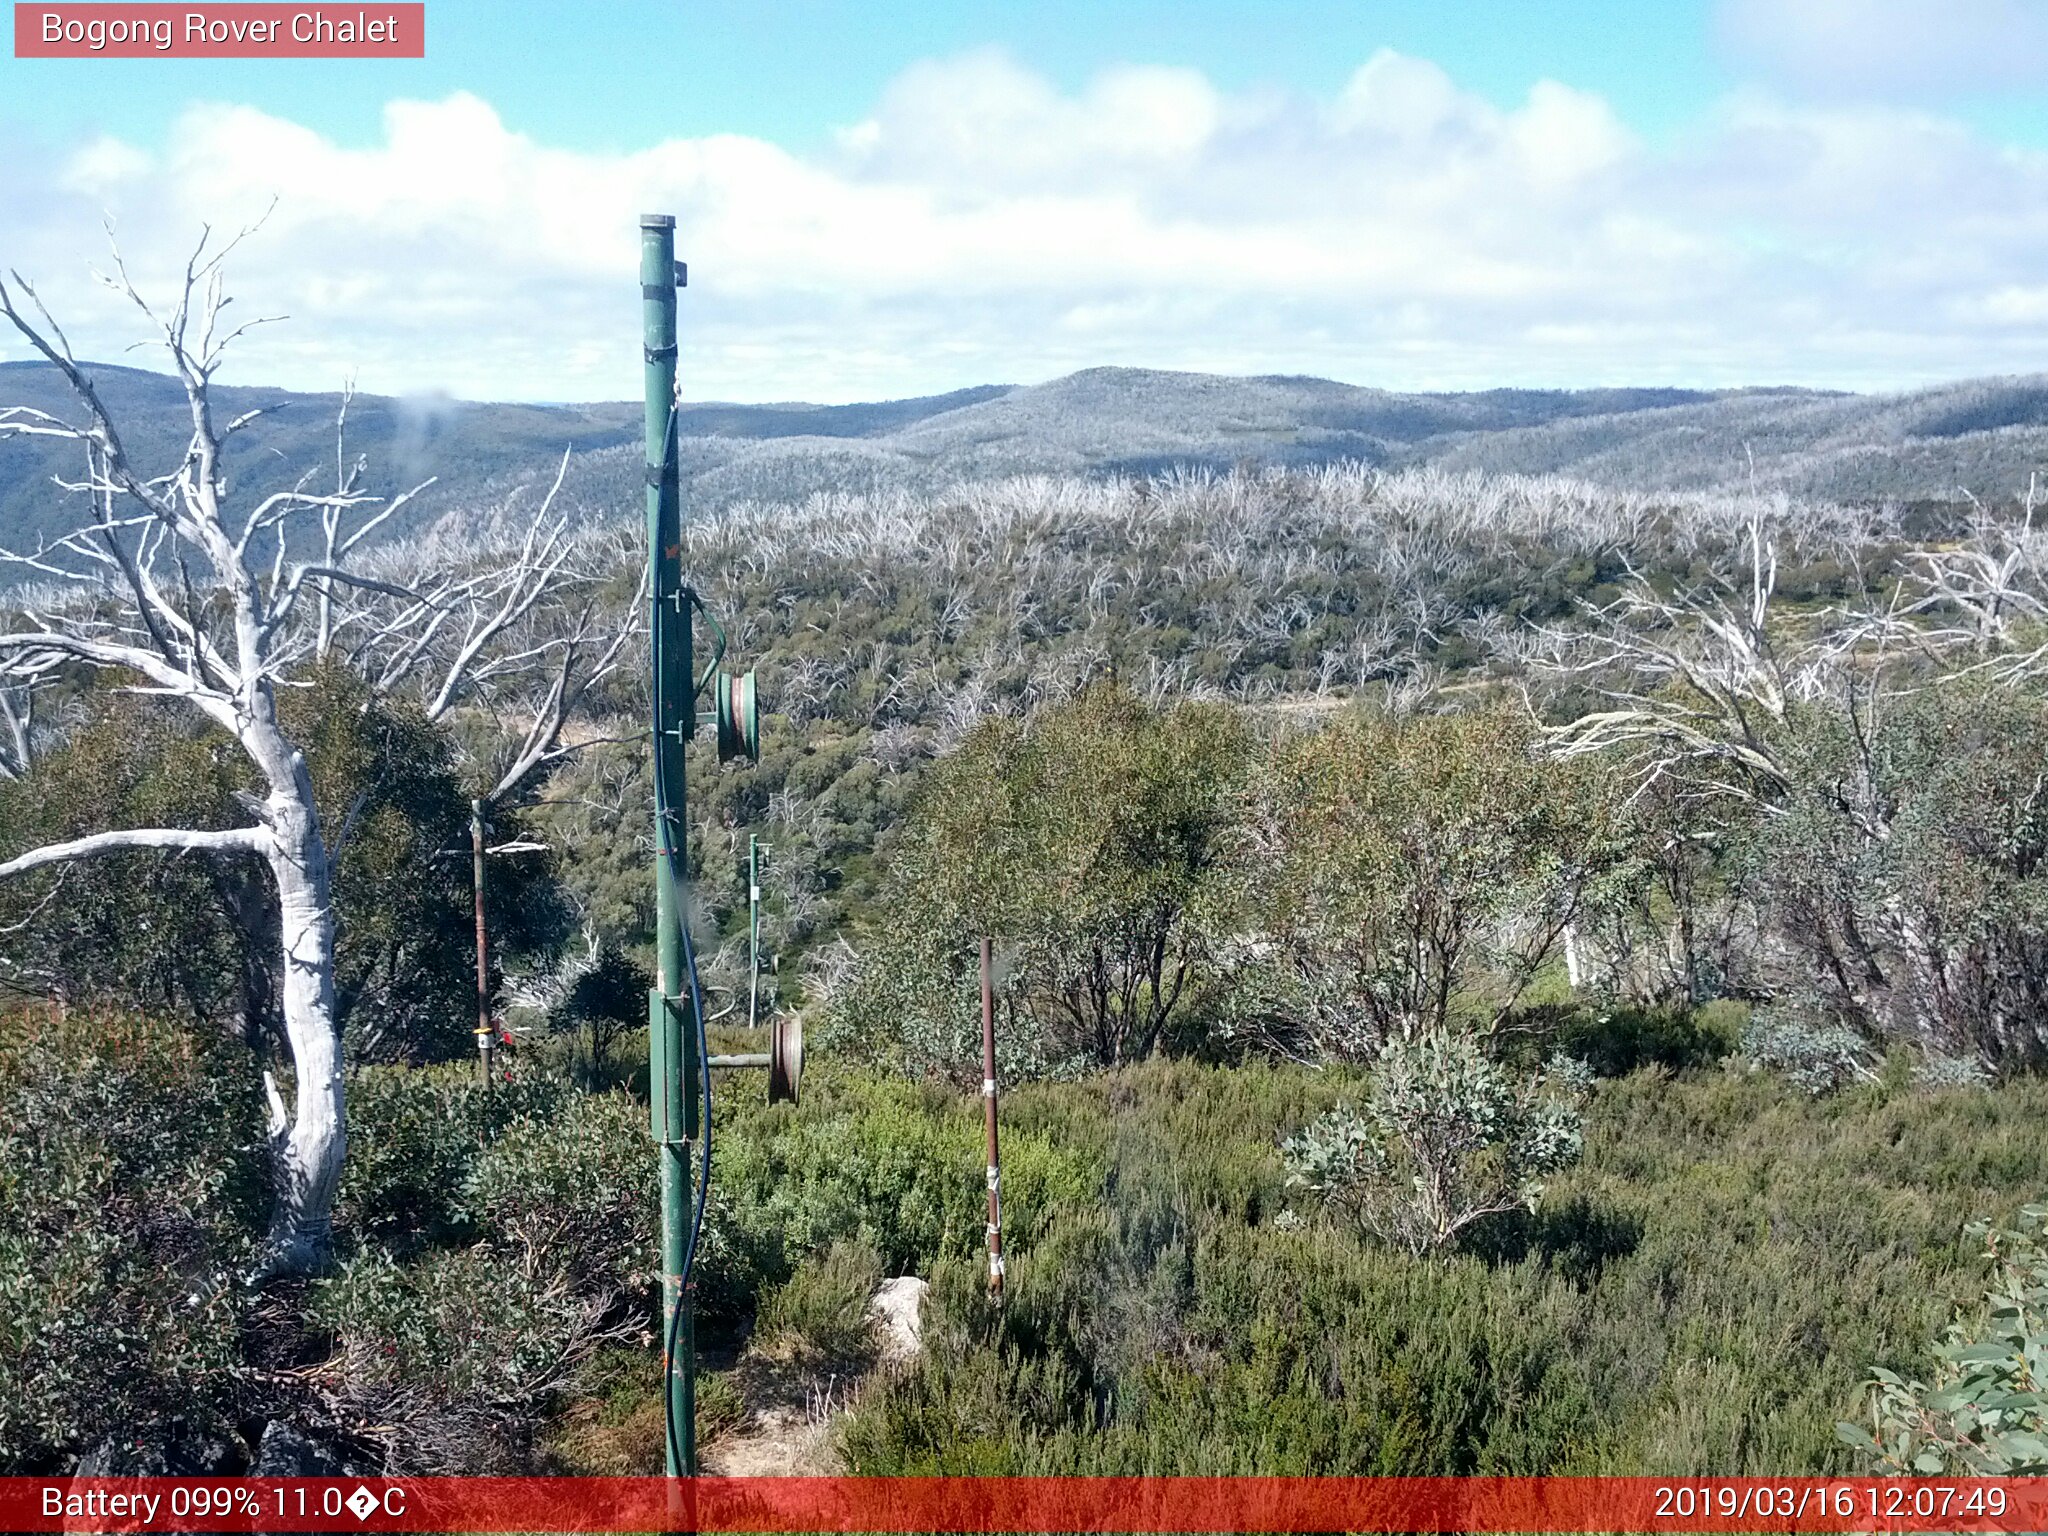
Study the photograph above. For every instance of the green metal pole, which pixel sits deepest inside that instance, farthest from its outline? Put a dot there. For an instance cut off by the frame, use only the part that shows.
(671, 1035)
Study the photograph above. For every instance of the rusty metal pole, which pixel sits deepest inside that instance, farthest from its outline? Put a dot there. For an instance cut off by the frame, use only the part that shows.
(484, 1028)
(753, 930)
(988, 1098)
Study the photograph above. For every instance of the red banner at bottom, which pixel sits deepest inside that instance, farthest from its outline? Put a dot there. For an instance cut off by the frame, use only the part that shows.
(1120, 1504)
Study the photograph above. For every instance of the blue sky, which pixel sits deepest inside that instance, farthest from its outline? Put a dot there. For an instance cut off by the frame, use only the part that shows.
(892, 197)
(792, 71)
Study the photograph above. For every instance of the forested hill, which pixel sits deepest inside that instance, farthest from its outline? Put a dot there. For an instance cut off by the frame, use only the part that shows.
(1983, 436)
(466, 445)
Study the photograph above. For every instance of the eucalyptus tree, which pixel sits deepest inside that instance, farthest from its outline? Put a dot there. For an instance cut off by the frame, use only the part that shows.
(1411, 877)
(1089, 840)
(173, 585)
(1866, 772)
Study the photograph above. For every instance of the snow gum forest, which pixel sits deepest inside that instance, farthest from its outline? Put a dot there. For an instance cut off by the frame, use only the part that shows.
(1522, 929)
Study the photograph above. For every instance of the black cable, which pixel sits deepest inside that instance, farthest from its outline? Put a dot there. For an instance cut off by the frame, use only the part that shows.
(674, 843)
(704, 1127)
(683, 1280)
(674, 840)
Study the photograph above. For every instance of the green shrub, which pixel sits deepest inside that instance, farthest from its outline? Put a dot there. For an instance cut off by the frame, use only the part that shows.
(414, 1134)
(608, 992)
(1445, 1139)
(1398, 876)
(1695, 1296)
(896, 1165)
(720, 1407)
(153, 933)
(1936, 1070)
(1816, 1056)
(1089, 836)
(1985, 1414)
(1615, 1041)
(820, 1313)
(131, 1192)
(458, 1358)
(1905, 870)
(197, 937)
(531, 1250)
(572, 1191)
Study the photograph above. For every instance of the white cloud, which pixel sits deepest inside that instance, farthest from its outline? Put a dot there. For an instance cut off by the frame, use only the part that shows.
(981, 224)
(981, 122)
(1890, 45)
(103, 165)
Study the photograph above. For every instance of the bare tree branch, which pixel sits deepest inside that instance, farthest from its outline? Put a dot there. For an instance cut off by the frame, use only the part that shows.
(169, 595)
(239, 840)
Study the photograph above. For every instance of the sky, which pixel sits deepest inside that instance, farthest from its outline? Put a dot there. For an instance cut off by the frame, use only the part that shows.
(893, 198)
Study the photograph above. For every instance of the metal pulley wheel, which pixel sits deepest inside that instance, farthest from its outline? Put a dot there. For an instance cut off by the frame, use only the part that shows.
(739, 716)
(785, 1058)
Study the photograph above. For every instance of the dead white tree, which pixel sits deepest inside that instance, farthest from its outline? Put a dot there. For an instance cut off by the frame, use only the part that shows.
(186, 593)
(521, 631)
(17, 727)
(1704, 692)
(1984, 597)
(1694, 679)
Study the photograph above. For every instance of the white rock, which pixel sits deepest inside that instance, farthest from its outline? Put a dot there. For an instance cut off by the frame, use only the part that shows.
(898, 1307)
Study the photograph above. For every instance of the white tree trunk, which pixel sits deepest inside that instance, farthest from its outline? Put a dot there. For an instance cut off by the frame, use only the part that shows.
(160, 637)
(308, 1152)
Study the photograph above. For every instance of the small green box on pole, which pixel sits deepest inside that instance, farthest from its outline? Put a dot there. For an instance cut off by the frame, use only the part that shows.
(672, 1107)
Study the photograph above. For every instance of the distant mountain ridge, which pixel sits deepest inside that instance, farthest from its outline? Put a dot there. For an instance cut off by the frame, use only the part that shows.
(464, 444)
(1982, 436)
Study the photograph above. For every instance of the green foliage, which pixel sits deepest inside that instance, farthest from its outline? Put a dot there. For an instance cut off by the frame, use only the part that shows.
(158, 931)
(1088, 840)
(1816, 1057)
(414, 1134)
(1614, 1040)
(1908, 871)
(1985, 1414)
(1402, 873)
(183, 934)
(1696, 1295)
(607, 995)
(397, 820)
(1937, 1071)
(572, 1191)
(720, 1407)
(545, 1219)
(892, 1165)
(1445, 1138)
(588, 998)
(820, 1313)
(1677, 931)
(129, 1200)
(458, 1357)
(599, 810)
(818, 797)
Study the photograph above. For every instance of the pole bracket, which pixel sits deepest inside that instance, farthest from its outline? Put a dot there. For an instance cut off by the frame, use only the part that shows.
(671, 1084)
